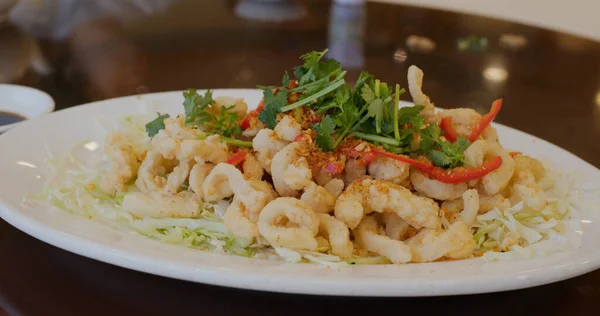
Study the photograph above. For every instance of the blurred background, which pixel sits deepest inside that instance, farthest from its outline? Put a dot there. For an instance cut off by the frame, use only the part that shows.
(542, 56)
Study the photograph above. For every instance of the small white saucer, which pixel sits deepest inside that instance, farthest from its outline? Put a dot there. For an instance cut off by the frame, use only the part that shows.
(25, 101)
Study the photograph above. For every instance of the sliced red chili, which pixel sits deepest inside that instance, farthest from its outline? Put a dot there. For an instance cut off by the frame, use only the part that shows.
(451, 134)
(446, 125)
(254, 113)
(237, 158)
(366, 159)
(418, 164)
(245, 123)
(485, 121)
(462, 174)
(455, 175)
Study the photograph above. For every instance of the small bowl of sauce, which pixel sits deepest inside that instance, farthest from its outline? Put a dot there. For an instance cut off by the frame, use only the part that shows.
(10, 118)
(21, 103)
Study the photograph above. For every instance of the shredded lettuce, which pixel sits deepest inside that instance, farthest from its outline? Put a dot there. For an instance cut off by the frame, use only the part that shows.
(521, 232)
(296, 256)
(75, 188)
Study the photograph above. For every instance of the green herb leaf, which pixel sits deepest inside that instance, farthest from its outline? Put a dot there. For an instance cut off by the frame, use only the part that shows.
(461, 144)
(227, 124)
(440, 159)
(309, 76)
(342, 95)
(311, 99)
(285, 81)
(195, 106)
(198, 111)
(310, 72)
(376, 110)
(442, 153)
(324, 130)
(364, 77)
(347, 114)
(273, 104)
(368, 94)
(407, 114)
(154, 126)
(329, 67)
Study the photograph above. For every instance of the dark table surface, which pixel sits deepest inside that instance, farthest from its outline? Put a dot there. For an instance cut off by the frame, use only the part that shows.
(550, 83)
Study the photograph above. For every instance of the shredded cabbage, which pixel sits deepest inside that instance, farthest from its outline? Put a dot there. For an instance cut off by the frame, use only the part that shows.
(74, 187)
(520, 232)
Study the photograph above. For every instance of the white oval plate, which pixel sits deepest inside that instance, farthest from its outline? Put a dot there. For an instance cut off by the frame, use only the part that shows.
(25, 147)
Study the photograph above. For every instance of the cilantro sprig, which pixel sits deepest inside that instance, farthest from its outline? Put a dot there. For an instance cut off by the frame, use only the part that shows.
(154, 126)
(273, 103)
(199, 112)
(325, 129)
(370, 110)
(442, 153)
(316, 80)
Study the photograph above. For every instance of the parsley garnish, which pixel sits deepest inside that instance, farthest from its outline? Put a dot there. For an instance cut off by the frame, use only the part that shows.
(154, 126)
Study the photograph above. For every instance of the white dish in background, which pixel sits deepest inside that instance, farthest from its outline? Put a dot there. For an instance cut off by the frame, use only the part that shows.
(24, 172)
(24, 101)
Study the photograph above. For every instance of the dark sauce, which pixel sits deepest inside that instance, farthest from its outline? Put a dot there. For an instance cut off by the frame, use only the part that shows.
(9, 118)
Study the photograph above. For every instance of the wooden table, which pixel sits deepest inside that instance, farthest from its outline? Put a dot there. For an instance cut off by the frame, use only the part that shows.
(550, 83)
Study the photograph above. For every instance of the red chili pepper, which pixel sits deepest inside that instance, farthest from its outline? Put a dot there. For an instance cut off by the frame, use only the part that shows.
(245, 123)
(462, 174)
(485, 121)
(316, 119)
(237, 158)
(298, 138)
(254, 113)
(293, 84)
(366, 159)
(451, 134)
(515, 153)
(363, 157)
(334, 167)
(456, 175)
(446, 125)
(424, 166)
